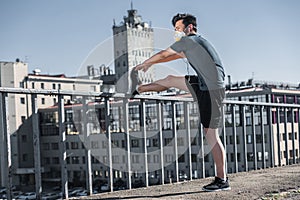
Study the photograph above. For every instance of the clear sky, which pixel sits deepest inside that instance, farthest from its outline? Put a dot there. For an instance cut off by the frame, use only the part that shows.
(257, 38)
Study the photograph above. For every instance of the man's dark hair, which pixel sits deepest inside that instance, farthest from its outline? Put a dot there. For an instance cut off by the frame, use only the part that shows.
(187, 19)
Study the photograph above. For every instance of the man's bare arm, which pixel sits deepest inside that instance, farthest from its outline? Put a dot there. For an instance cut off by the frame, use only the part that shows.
(162, 56)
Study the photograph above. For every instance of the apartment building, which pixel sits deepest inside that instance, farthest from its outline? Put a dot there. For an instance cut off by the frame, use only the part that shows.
(15, 75)
(285, 121)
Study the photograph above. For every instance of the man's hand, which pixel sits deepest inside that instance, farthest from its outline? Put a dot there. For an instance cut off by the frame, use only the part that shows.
(144, 66)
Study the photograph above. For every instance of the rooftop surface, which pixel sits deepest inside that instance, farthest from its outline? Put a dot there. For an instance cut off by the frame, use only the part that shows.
(272, 183)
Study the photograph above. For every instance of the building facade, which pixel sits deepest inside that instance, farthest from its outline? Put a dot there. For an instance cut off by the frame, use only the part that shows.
(15, 75)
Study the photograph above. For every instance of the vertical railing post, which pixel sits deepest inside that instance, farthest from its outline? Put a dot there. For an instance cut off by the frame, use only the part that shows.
(144, 132)
(262, 131)
(161, 141)
(36, 147)
(254, 137)
(202, 153)
(236, 166)
(188, 134)
(298, 135)
(87, 143)
(224, 137)
(174, 128)
(126, 127)
(278, 136)
(293, 137)
(244, 137)
(108, 136)
(271, 141)
(6, 164)
(286, 138)
(63, 155)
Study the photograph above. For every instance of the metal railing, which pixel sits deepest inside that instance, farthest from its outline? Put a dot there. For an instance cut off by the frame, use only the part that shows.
(269, 117)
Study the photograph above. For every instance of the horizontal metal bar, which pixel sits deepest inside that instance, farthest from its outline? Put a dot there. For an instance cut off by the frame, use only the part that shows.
(122, 95)
(282, 105)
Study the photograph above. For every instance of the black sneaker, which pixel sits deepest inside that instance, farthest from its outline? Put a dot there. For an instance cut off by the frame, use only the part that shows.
(134, 80)
(135, 92)
(217, 185)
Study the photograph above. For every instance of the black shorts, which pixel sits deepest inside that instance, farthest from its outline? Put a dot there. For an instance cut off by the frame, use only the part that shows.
(209, 103)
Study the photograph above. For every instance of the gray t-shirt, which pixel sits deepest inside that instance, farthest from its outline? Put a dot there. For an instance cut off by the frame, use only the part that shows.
(204, 59)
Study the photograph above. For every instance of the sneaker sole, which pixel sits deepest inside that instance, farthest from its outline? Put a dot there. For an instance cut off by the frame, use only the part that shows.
(217, 190)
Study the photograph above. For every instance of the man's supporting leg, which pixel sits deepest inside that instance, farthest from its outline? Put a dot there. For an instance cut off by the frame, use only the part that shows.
(218, 151)
(221, 182)
(164, 84)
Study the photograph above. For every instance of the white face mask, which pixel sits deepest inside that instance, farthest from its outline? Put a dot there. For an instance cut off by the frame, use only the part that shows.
(178, 35)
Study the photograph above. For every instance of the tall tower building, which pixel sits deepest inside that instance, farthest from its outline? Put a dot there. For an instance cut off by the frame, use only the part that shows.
(12, 76)
(133, 43)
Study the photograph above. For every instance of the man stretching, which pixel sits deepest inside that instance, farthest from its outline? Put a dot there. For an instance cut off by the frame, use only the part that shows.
(207, 87)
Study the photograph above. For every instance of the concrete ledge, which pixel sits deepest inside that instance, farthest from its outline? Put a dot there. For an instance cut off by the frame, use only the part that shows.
(260, 184)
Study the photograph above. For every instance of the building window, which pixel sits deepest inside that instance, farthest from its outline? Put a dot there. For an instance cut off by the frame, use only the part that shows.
(155, 159)
(54, 146)
(59, 86)
(42, 86)
(135, 143)
(181, 159)
(74, 145)
(21, 84)
(290, 136)
(104, 158)
(104, 144)
(249, 139)
(95, 145)
(55, 160)
(168, 141)
(194, 157)
(43, 101)
(115, 143)
(232, 158)
(23, 118)
(135, 158)
(45, 146)
(206, 158)
(22, 100)
(53, 86)
(123, 144)
(75, 160)
(250, 156)
(46, 161)
(148, 142)
(155, 142)
(24, 157)
(32, 85)
(24, 138)
(169, 158)
(259, 156)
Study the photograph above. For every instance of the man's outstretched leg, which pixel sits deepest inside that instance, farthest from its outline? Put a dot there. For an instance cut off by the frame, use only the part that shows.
(164, 84)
